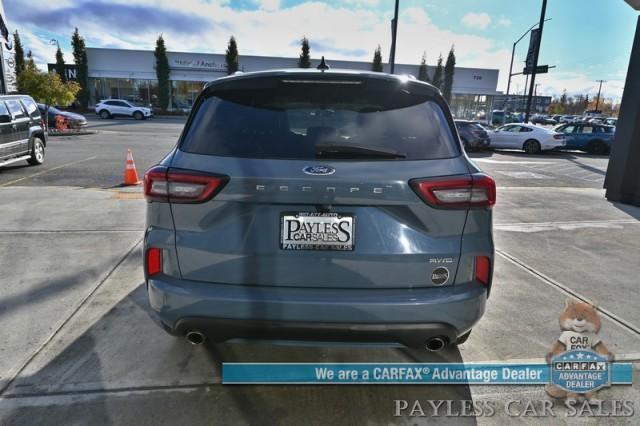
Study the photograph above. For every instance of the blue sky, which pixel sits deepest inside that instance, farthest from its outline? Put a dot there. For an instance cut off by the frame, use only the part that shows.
(586, 40)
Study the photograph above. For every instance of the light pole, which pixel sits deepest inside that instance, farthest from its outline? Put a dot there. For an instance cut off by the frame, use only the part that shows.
(536, 55)
(599, 90)
(394, 32)
(513, 51)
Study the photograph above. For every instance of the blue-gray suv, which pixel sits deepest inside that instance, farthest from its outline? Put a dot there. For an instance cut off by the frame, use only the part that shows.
(319, 206)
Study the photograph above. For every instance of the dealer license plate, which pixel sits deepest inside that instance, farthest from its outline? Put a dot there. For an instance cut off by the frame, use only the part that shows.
(317, 231)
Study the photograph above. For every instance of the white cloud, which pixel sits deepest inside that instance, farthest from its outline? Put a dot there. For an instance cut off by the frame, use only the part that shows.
(269, 5)
(360, 3)
(476, 20)
(575, 83)
(504, 21)
(335, 31)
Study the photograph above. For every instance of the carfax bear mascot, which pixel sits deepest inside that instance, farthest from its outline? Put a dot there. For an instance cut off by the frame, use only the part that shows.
(580, 324)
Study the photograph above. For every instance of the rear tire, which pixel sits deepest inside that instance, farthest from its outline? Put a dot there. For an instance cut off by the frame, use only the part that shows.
(138, 115)
(597, 148)
(104, 114)
(531, 146)
(37, 153)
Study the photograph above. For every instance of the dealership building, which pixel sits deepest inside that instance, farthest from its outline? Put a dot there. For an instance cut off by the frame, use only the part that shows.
(131, 75)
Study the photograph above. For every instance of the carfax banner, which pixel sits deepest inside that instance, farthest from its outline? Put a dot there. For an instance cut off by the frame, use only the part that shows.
(424, 373)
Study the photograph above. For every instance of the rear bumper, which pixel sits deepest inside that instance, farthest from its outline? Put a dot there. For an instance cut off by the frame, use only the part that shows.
(405, 316)
(552, 145)
(481, 143)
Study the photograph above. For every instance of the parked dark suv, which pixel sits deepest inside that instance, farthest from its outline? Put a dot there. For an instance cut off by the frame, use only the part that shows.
(22, 134)
(472, 135)
(319, 206)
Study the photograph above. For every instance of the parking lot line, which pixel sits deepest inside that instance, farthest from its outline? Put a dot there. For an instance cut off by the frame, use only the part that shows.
(568, 225)
(74, 231)
(523, 162)
(11, 182)
(568, 291)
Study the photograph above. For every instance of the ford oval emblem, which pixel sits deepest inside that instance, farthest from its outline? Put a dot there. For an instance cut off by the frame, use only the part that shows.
(319, 170)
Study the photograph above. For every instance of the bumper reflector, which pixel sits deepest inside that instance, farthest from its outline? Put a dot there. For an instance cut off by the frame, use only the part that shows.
(483, 269)
(154, 261)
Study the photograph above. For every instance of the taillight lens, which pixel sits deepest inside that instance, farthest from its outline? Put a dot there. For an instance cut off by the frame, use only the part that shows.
(475, 191)
(181, 186)
(558, 136)
(154, 261)
(483, 269)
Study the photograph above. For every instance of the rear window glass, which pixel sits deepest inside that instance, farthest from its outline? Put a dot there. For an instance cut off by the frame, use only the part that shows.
(311, 121)
(15, 108)
(31, 106)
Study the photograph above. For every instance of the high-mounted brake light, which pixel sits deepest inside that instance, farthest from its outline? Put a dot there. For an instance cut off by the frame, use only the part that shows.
(483, 269)
(181, 186)
(474, 191)
(154, 261)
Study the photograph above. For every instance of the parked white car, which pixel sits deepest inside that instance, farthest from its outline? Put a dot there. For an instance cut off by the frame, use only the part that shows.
(527, 137)
(110, 108)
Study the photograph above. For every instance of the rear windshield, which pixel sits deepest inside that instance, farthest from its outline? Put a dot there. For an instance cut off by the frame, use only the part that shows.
(311, 120)
(476, 126)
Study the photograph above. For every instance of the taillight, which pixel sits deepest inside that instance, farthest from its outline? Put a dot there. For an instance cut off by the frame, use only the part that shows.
(483, 269)
(558, 136)
(181, 186)
(475, 191)
(154, 261)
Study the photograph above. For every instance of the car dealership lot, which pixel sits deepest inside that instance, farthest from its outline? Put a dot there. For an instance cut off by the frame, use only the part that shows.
(78, 343)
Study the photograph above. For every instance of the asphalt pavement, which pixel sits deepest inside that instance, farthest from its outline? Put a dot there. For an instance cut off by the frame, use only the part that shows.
(78, 344)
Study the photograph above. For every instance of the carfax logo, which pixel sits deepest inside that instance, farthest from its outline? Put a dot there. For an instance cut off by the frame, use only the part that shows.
(578, 360)
(580, 372)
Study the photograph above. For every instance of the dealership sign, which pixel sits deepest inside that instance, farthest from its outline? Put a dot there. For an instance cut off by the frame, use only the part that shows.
(70, 71)
(7, 57)
(197, 64)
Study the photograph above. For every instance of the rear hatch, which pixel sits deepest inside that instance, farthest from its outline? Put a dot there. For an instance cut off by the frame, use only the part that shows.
(312, 179)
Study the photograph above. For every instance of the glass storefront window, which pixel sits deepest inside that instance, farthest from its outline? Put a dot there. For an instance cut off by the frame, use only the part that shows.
(184, 93)
(470, 107)
(145, 92)
(132, 90)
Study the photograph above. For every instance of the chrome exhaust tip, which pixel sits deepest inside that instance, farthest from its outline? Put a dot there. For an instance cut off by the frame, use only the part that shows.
(195, 337)
(436, 344)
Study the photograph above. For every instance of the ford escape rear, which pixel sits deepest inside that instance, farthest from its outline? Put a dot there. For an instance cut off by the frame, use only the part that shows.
(319, 206)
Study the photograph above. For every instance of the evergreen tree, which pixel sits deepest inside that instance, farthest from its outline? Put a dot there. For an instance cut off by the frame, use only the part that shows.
(305, 59)
(563, 99)
(376, 65)
(82, 67)
(449, 71)
(19, 53)
(60, 65)
(437, 74)
(423, 75)
(162, 73)
(231, 56)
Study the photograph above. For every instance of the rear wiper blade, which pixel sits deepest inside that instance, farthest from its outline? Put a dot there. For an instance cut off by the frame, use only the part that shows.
(327, 150)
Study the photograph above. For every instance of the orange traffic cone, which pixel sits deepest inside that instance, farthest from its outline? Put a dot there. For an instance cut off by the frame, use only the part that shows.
(130, 173)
